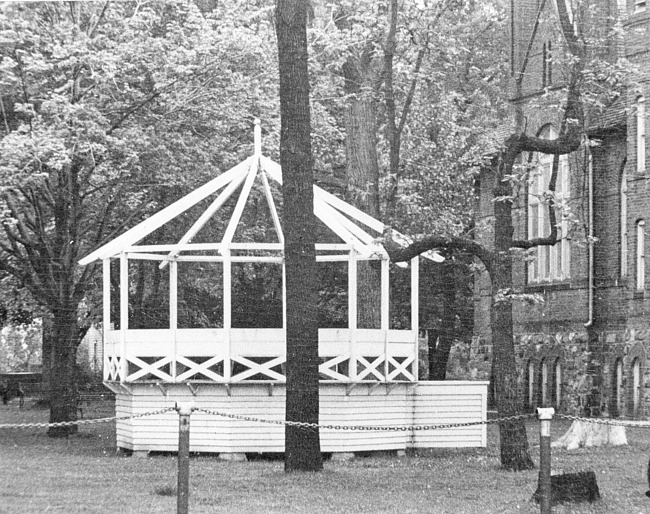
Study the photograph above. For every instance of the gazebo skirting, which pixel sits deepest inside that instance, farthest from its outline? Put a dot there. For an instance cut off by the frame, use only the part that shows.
(369, 404)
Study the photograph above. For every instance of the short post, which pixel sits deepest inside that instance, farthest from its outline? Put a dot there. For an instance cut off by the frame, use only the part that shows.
(545, 416)
(183, 484)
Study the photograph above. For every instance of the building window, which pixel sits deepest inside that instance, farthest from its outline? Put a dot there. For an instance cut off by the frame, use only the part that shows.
(640, 134)
(639, 6)
(556, 392)
(640, 255)
(530, 371)
(623, 199)
(543, 383)
(548, 263)
(547, 64)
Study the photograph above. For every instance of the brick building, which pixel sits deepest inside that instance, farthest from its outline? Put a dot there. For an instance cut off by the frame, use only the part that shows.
(585, 347)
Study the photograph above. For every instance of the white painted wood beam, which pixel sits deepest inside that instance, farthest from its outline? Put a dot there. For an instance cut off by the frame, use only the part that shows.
(415, 298)
(272, 208)
(352, 314)
(207, 214)
(173, 312)
(340, 230)
(348, 209)
(106, 316)
(124, 312)
(227, 313)
(154, 222)
(385, 309)
(202, 247)
(357, 231)
(241, 203)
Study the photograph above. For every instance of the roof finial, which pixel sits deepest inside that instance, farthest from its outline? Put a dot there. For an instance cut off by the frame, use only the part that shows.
(257, 137)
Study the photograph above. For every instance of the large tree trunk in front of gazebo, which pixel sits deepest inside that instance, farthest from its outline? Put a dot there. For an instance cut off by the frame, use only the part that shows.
(64, 340)
(514, 441)
(302, 446)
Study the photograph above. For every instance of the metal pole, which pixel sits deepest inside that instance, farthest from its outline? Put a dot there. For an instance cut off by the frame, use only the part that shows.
(545, 416)
(183, 484)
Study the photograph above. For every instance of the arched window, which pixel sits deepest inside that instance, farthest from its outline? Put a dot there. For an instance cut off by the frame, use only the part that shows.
(549, 263)
(556, 391)
(530, 384)
(640, 255)
(636, 386)
(640, 134)
(543, 383)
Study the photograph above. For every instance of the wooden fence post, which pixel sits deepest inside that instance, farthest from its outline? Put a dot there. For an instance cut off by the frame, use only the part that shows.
(183, 483)
(545, 416)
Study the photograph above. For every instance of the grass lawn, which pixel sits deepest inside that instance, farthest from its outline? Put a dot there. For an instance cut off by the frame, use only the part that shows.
(85, 474)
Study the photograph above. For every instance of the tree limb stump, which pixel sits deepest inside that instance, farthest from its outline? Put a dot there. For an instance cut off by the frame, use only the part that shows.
(586, 434)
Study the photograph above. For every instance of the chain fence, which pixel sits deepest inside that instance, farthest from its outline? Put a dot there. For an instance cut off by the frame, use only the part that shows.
(320, 426)
(85, 421)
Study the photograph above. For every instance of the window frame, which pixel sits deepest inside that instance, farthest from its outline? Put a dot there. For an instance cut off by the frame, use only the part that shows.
(641, 129)
(640, 255)
(548, 263)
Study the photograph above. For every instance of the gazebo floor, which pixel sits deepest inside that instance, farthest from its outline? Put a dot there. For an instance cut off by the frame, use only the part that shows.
(367, 404)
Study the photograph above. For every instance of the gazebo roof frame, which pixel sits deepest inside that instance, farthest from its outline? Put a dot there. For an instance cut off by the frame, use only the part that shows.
(339, 216)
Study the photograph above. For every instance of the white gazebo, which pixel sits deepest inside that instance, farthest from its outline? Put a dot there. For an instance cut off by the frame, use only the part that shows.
(369, 376)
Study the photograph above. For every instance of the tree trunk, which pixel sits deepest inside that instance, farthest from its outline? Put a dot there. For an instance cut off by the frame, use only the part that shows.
(302, 447)
(363, 186)
(46, 356)
(62, 374)
(439, 357)
(514, 442)
(584, 433)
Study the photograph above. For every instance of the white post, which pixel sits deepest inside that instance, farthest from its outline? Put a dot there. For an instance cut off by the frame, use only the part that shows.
(352, 313)
(385, 309)
(124, 312)
(173, 312)
(415, 298)
(106, 317)
(227, 311)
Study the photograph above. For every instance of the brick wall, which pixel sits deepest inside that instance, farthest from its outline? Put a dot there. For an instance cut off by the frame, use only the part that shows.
(590, 347)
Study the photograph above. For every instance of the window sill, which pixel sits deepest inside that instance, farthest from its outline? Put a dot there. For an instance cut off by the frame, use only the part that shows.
(547, 286)
(638, 294)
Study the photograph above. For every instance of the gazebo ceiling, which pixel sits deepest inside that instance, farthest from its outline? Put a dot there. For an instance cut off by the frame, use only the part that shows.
(352, 226)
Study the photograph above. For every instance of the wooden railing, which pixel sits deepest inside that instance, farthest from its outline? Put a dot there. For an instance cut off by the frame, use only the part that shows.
(237, 355)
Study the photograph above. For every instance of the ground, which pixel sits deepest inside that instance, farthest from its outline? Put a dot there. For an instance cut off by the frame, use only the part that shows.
(85, 474)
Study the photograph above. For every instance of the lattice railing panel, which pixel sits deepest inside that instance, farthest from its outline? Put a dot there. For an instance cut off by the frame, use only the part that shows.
(158, 367)
(258, 368)
(369, 370)
(200, 368)
(401, 368)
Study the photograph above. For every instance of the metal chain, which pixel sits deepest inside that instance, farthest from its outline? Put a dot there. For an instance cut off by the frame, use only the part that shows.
(305, 425)
(607, 421)
(85, 421)
(394, 428)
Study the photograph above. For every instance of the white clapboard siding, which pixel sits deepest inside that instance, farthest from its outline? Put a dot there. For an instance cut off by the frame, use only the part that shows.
(450, 402)
(367, 405)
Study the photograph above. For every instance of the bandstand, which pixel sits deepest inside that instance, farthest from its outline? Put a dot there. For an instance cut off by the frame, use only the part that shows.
(369, 377)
